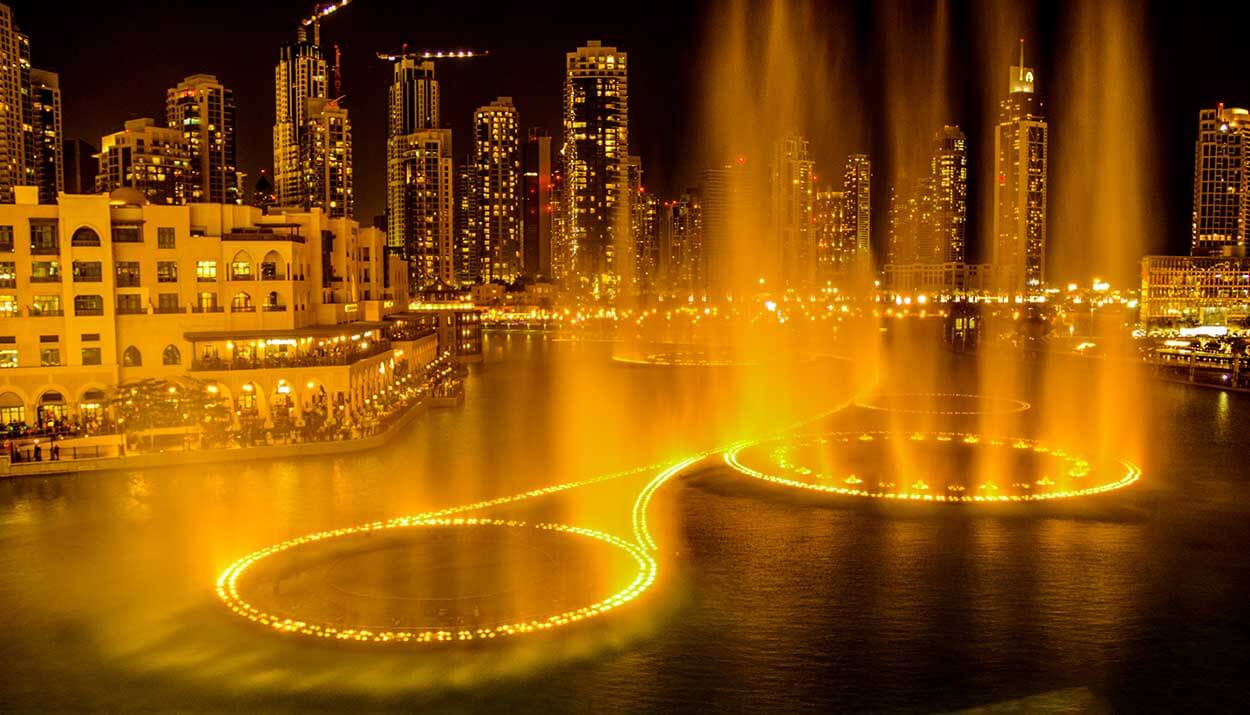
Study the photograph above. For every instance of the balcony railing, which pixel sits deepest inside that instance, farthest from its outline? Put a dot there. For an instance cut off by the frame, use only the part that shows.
(274, 308)
(206, 279)
(242, 309)
(241, 277)
(45, 250)
(86, 311)
(88, 278)
(305, 360)
(131, 310)
(46, 279)
(206, 309)
(47, 312)
(127, 280)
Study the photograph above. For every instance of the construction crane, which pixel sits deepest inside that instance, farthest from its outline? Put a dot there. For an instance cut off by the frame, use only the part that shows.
(322, 9)
(404, 54)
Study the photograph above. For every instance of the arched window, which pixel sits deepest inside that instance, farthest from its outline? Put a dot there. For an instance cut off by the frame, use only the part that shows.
(241, 267)
(241, 303)
(85, 236)
(171, 356)
(131, 357)
(272, 268)
(271, 301)
(12, 409)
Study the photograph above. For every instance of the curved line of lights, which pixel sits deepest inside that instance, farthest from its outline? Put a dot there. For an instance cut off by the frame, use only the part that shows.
(1131, 474)
(1010, 405)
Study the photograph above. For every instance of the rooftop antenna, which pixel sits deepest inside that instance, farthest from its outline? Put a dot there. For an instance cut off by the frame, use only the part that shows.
(1021, 59)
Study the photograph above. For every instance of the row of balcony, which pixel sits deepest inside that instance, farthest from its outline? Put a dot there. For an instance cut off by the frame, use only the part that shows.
(142, 310)
(347, 357)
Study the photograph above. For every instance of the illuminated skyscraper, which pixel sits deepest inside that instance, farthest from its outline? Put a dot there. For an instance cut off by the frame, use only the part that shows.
(857, 212)
(596, 144)
(326, 158)
(153, 159)
(681, 244)
(1021, 147)
(832, 256)
(419, 178)
(203, 110)
(729, 213)
(497, 189)
(948, 198)
(909, 231)
(793, 194)
(536, 204)
(1221, 180)
(45, 128)
(299, 76)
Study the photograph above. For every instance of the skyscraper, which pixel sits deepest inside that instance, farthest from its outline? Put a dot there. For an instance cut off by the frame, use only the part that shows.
(1021, 146)
(326, 158)
(948, 197)
(465, 246)
(203, 110)
(45, 129)
(793, 194)
(497, 189)
(419, 178)
(857, 212)
(829, 230)
(681, 244)
(536, 204)
(730, 254)
(909, 234)
(299, 76)
(596, 144)
(153, 159)
(644, 231)
(1221, 180)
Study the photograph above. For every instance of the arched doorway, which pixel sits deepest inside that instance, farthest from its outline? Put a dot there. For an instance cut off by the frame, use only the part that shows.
(51, 407)
(91, 409)
(12, 409)
(282, 407)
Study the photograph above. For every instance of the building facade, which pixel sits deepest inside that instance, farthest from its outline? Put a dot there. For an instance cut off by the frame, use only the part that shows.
(299, 76)
(793, 203)
(833, 254)
(496, 187)
(537, 207)
(203, 110)
(30, 118)
(1021, 152)
(682, 262)
(596, 144)
(1221, 181)
(857, 211)
(153, 159)
(1195, 290)
(326, 159)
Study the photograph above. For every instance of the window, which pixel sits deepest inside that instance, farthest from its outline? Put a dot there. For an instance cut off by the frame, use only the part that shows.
(49, 338)
(129, 304)
(241, 267)
(127, 234)
(131, 357)
(167, 303)
(127, 274)
(91, 337)
(8, 274)
(206, 271)
(88, 272)
(171, 356)
(8, 358)
(206, 302)
(272, 267)
(6, 239)
(85, 237)
(45, 272)
(167, 271)
(49, 357)
(165, 237)
(43, 238)
(242, 303)
(8, 306)
(45, 305)
(87, 305)
(91, 356)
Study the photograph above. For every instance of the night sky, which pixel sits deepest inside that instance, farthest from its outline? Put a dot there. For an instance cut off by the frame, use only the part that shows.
(116, 61)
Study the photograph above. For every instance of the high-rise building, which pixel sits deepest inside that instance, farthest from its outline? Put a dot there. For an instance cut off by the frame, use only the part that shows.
(203, 110)
(857, 212)
(326, 158)
(832, 257)
(561, 242)
(81, 166)
(419, 178)
(45, 128)
(153, 159)
(793, 194)
(497, 189)
(536, 204)
(263, 195)
(909, 218)
(948, 197)
(1021, 147)
(596, 144)
(467, 259)
(729, 209)
(1221, 180)
(681, 244)
(30, 118)
(644, 231)
(299, 76)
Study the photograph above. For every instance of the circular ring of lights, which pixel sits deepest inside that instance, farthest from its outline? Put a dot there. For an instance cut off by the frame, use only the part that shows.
(694, 358)
(919, 493)
(1008, 406)
(228, 587)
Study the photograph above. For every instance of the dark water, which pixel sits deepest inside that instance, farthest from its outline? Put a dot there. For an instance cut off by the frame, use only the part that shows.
(768, 602)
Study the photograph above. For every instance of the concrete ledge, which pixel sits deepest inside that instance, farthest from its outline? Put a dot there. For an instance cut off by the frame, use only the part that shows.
(210, 456)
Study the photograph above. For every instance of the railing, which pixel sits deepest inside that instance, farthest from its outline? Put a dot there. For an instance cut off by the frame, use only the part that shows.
(48, 313)
(127, 280)
(88, 277)
(207, 309)
(241, 277)
(206, 279)
(87, 311)
(242, 309)
(131, 310)
(46, 279)
(8, 282)
(274, 308)
(293, 361)
(45, 250)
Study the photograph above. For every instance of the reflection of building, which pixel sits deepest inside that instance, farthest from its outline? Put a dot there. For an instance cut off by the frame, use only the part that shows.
(203, 110)
(100, 290)
(1206, 290)
(1221, 180)
(1021, 145)
(596, 144)
(793, 195)
(537, 206)
(152, 159)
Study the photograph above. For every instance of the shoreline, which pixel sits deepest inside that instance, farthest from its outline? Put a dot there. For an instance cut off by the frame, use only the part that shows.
(212, 456)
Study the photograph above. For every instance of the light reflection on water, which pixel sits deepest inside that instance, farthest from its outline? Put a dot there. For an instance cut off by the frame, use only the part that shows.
(771, 602)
